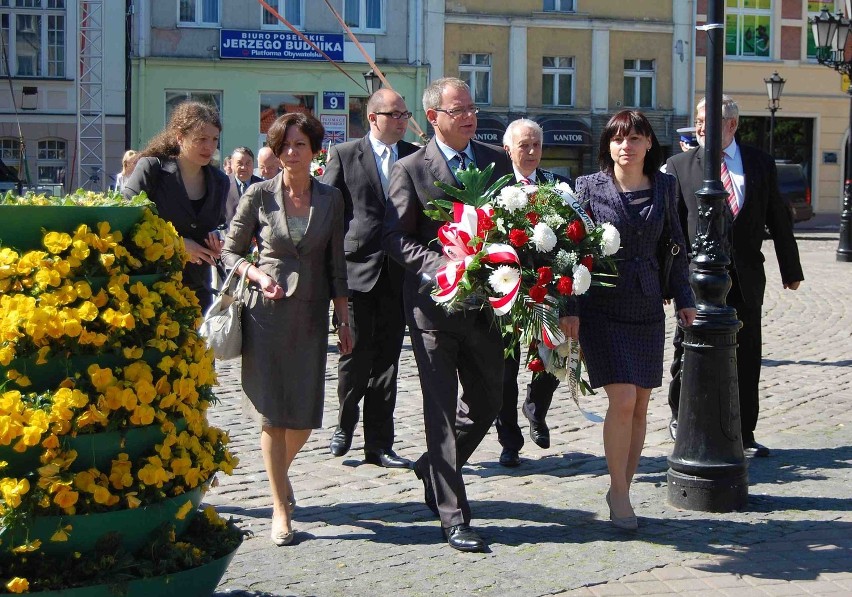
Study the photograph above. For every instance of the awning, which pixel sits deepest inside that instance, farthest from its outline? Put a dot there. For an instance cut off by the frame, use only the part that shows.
(490, 129)
(566, 132)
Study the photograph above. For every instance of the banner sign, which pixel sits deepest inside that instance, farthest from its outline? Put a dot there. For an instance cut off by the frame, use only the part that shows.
(278, 45)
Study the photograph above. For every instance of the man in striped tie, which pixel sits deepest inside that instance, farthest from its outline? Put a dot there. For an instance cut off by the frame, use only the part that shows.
(753, 202)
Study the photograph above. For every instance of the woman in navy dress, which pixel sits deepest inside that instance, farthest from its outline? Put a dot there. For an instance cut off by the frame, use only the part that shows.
(622, 329)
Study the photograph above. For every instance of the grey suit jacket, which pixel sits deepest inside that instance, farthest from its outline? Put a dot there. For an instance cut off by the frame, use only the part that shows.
(762, 209)
(234, 196)
(352, 168)
(410, 235)
(314, 269)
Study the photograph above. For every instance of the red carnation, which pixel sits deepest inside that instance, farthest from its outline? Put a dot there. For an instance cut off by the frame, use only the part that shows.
(484, 222)
(536, 366)
(545, 275)
(533, 218)
(537, 293)
(518, 237)
(319, 172)
(575, 231)
(565, 285)
(588, 261)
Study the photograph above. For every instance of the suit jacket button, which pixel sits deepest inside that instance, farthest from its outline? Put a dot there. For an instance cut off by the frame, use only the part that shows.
(193, 225)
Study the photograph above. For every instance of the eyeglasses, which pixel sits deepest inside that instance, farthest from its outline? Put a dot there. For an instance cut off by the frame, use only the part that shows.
(396, 115)
(456, 112)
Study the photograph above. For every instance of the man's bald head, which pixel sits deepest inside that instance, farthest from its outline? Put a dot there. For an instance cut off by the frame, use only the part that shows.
(267, 163)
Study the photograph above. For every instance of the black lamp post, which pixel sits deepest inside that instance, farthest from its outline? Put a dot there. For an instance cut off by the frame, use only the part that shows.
(830, 35)
(774, 87)
(372, 80)
(707, 468)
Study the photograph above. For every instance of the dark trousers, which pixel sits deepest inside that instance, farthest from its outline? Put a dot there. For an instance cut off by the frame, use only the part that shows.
(455, 425)
(370, 370)
(749, 346)
(535, 407)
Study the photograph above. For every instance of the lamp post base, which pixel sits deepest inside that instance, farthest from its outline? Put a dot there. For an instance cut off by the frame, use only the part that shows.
(708, 495)
(844, 249)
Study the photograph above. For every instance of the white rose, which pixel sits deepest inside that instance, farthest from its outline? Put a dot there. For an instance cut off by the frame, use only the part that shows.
(610, 239)
(543, 238)
(582, 279)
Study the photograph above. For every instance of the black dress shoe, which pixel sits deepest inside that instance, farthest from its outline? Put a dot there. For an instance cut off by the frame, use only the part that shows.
(753, 449)
(510, 458)
(540, 434)
(385, 458)
(341, 441)
(463, 538)
(428, 492)
(673, 428)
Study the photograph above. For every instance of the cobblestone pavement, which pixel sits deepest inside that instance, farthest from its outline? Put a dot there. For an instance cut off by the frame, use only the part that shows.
(363, 530)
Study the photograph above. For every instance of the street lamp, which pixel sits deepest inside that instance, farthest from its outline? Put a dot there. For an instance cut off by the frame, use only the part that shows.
(831, 33)
(372, 80)
(774, 87)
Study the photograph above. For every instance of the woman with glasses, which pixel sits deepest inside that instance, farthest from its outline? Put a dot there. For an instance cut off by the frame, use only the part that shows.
(176, 174)
(622, 329)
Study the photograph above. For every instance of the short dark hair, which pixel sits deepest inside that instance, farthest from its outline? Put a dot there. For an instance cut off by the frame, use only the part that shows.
(310, 126)
(624, 123)
(245, 150)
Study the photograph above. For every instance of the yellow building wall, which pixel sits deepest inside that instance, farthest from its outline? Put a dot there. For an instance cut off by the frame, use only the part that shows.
(560, 42)
(648, 10)
(464, 39)
(490, 7)
(641, 46)
(811, 91)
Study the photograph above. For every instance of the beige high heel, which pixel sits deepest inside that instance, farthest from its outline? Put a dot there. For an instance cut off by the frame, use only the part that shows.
(282, 538)
(627, 523)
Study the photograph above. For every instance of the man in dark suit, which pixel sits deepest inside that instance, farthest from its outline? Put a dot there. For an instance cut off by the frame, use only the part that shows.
(360, 170)
(462, 346)
(749, 175)
(523, 143)
(242, 166)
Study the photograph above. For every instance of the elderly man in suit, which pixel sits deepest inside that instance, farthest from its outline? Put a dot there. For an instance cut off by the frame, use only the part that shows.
(267, 163)
(755, 205)
(360, 170)
(242, 166)
(462, 346)
(523, 143)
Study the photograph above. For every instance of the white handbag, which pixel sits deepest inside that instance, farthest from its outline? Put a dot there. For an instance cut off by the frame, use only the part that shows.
(222, 328)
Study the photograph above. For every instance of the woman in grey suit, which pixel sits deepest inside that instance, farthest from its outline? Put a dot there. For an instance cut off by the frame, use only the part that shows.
(298, 224)
(176, 174)
(622, 329)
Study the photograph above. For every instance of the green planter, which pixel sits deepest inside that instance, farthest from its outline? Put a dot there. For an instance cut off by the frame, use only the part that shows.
(195, 582)
(96, 450)
(21, 225)
(135, 526)
(49, 375)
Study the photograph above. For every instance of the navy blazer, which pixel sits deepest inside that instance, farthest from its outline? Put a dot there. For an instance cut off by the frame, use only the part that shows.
(638, 267)
(410, 235)
(160, 179)
(234, 196)
(763, 208)
(352, 168)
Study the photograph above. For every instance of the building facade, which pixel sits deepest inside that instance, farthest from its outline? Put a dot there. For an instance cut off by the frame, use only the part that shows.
(239, 56)
(42, 42)
(812, 126)
(569, 65)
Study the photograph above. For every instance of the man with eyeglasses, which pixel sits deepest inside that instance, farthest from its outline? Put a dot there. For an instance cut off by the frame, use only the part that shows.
(463, 346)
(360, 170)
(754, 205)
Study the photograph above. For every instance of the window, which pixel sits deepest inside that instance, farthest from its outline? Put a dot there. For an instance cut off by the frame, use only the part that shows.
(748, 27)
(814, 9)
(358, 126)
(275, 103)
(639, 85)
(35, 39)
(10, 153)
(198, 13)
(557, 81)
(291, 10)
(51, 161)
(559, 5)
(364, 15)
(475, 70)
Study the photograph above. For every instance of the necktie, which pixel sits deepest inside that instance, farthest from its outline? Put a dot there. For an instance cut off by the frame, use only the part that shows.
(462, 158)
(729, 187)
(526, 181)
(241, 187)
(387, 162)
